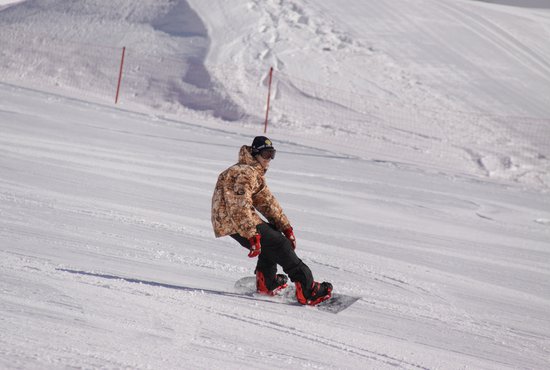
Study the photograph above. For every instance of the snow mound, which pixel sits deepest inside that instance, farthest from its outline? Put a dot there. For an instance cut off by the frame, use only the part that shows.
(439, 85)
(166, 42)
(460, 86)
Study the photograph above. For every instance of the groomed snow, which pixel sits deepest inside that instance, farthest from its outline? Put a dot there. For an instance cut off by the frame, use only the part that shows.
(441, 226)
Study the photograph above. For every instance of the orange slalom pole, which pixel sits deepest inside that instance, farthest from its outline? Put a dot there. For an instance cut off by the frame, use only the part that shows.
(268, 98)
(120, 74)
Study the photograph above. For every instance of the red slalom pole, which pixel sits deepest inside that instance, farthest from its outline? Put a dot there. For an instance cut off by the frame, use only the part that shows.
(268, 98)
(120, 74)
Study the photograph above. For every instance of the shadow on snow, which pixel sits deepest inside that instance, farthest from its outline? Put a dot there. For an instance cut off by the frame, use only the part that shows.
(168, 286)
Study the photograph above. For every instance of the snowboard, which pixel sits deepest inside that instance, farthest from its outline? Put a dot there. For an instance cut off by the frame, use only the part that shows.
(337, 303)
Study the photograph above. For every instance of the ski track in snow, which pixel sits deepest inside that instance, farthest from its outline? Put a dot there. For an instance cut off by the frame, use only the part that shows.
(136, 288)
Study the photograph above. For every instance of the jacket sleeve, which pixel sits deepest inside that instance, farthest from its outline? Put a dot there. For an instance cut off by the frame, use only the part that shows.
(266, 203)
(238, 197)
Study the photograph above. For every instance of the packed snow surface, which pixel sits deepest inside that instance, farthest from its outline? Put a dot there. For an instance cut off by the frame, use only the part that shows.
(413, 163)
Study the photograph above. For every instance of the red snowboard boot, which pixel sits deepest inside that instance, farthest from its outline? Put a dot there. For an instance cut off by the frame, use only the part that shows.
(318, 293)
(272, 287)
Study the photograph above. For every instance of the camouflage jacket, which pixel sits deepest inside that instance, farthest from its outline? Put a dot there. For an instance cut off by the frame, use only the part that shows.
(240, 191)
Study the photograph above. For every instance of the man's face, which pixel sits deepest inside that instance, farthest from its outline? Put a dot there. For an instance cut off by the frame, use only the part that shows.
(263, 161)
(265, 156)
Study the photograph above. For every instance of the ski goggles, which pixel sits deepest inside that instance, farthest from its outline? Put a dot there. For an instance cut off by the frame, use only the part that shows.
(268, 153)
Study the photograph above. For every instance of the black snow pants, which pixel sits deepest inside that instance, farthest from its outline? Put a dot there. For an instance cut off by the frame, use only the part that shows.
(277, 250)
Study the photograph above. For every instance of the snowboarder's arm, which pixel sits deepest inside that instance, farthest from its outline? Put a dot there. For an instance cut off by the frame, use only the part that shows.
(266, 203)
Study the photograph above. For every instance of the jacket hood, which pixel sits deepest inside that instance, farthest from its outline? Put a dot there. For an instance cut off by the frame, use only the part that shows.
(245, 157)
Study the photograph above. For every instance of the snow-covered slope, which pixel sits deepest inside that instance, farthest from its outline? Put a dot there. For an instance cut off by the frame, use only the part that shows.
(107, 257)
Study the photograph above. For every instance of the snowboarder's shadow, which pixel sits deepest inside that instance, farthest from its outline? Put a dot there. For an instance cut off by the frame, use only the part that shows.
(164, 285)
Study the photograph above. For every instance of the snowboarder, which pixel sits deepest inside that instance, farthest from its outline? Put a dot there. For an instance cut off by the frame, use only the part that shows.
(240, 191)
